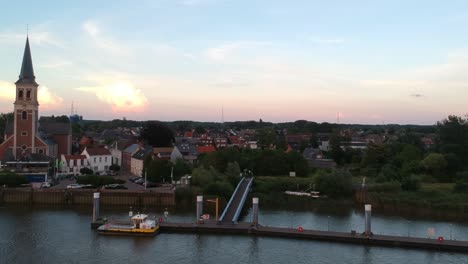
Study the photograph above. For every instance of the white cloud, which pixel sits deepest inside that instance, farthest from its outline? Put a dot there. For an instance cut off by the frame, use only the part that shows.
(226, 51)
(91, 28)
(93, 31)
(122, 96)
(7, 91)
(48, 99)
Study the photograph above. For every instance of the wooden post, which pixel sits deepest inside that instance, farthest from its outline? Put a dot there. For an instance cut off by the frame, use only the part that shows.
(216, 209)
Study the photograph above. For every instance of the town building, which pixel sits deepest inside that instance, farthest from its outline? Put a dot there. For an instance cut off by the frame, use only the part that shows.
(99, 159)
(26, 134)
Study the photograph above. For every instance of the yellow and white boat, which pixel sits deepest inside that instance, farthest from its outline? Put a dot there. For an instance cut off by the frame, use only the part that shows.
(139, 225)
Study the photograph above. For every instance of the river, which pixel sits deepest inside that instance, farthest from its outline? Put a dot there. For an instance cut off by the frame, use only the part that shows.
(51, 235)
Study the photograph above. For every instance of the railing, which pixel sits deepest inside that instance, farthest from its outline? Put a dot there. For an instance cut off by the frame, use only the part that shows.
(242, 201)
(230, 200)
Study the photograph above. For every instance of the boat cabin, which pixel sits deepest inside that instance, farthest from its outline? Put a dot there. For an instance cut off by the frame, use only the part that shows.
(139, 219)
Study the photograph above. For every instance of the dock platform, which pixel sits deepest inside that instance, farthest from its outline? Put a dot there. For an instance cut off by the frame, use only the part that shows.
(243, 228)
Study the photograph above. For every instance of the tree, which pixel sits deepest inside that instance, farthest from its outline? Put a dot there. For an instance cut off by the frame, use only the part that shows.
(336, 184)
(4, 120)
(435, 164)
(180, 169)
(157, 134)
(452, 137)
(266, 137)
(86, 171)
(114, 167)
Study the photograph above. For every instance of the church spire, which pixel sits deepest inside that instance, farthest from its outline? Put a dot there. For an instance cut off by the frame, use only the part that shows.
(27, 70)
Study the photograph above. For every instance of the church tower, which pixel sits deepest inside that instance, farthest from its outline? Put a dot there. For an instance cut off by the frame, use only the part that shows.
(26, 108)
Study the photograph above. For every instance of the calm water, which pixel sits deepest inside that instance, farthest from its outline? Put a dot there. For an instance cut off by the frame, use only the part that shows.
(63, 236)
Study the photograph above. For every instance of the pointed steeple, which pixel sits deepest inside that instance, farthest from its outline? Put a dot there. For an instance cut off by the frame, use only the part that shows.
(27, 70)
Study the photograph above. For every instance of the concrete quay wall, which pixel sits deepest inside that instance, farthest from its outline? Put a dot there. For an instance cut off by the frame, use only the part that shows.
(85, 197)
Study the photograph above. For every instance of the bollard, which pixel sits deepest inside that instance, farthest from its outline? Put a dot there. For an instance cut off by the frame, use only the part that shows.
(130, 212)
(95, 206)
(368, 210)
(199, 207)
(255, 211)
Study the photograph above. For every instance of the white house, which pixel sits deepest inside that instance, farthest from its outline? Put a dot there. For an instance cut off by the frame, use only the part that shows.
(99, 159)
(72, 164)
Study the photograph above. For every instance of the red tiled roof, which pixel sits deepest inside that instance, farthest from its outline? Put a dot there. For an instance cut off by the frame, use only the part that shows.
(205, 149)
(98, 151)
(188, 134)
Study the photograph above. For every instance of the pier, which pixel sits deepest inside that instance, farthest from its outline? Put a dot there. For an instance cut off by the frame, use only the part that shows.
(228, 224)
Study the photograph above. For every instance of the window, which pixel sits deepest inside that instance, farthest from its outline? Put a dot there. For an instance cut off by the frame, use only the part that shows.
(28, 94)
(24, 133)
(95, 168)
(41, 151)
(105, 159)
(20, 94)
(24, 147)
(24, 115)
(100, 159)
(94, 160)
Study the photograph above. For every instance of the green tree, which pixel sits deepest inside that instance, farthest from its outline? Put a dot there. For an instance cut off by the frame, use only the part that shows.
(435, 164)
(266, 137)
(336, 184)
(157, 134)
(452, 137)
(180, 169)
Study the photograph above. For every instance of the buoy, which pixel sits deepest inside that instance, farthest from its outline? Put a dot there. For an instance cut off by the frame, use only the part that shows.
(160, 219)
(301, 229)
(440, 239)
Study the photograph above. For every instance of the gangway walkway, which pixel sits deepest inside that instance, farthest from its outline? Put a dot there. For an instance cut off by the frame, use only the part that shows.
(233, 208)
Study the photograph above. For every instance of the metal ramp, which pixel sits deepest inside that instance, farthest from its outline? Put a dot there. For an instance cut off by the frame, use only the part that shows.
(234, 206)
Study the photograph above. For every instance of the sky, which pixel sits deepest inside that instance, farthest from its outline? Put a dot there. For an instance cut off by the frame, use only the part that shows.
(368, 62)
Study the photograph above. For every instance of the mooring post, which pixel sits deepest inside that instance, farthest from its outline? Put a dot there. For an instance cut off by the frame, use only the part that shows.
(95, 206)
(255, 211)
(199, 207)
(368, 211)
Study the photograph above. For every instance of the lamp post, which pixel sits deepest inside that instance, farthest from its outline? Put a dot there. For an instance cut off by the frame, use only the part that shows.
(328, 223)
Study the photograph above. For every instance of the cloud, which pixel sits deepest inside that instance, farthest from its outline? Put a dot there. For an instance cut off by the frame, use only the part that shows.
(7, 91)
(225, 51)
(122, 96)
(417, 95)
(93, 31)
(47, 99)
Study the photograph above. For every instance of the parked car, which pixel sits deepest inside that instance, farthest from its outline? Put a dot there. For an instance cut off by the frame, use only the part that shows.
(114, 186)
(133, 179)
(88, 186)
(46, 185)
(140, 181)
(74, 186)
(151, 184)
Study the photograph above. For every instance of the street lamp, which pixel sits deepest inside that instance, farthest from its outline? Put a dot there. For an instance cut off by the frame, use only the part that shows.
(328, 223)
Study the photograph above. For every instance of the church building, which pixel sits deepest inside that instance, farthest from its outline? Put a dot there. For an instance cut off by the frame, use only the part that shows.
(26, 137)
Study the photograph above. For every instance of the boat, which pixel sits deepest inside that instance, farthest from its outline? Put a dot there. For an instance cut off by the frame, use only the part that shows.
(312, 194)
(139, 225)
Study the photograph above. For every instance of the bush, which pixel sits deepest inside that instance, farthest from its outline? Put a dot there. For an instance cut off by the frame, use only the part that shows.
(336, 184)
(390, 187)
(11, 179)
(461, 186)
(86, 171)
(222, 189)
(411, 183)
